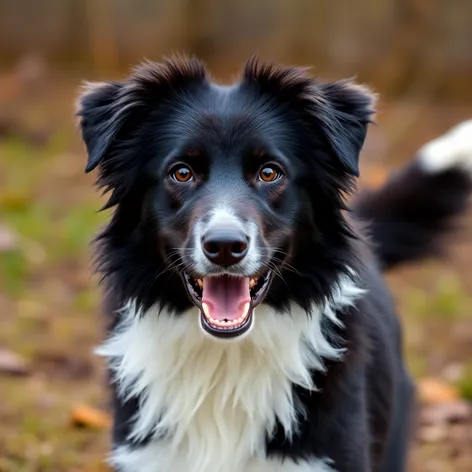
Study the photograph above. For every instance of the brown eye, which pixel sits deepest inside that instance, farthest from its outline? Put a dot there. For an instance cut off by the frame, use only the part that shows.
(182, 174)
(269, 174)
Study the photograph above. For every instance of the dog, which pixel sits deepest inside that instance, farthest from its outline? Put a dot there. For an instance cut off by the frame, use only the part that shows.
(250, 326)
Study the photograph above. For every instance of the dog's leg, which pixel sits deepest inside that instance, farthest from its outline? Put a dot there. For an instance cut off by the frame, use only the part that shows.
(401, 432)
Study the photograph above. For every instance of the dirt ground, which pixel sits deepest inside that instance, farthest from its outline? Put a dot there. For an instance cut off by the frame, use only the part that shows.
(49, 319)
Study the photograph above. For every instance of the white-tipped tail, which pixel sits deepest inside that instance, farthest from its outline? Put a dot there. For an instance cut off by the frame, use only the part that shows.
(410, 215)
(451, 150)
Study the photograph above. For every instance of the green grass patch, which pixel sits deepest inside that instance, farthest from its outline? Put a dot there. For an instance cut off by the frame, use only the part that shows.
(447, 300)
(14, 269)
(465, 383)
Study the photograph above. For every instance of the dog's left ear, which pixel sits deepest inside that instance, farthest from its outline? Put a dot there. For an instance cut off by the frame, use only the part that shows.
(340, 110)
(344, 110)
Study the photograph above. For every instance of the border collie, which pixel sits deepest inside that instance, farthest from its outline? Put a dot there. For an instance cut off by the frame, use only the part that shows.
(251, 330)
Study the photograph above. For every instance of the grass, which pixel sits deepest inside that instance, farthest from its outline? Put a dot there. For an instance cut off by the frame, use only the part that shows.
(49, 309)
(52, 303)
(465, 382)
(447, 299)
(49, 231)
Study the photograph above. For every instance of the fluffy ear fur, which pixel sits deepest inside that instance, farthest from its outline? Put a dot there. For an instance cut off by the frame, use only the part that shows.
(99, 123)
(347, 113)
(342, 110)
(106, 109)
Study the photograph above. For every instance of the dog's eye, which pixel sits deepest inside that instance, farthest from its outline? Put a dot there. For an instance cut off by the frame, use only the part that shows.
(269, 174)
(182, 174)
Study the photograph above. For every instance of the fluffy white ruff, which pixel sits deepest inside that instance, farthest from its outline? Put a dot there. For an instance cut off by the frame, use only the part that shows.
(209, 404)
(144, 460)
(451, 150)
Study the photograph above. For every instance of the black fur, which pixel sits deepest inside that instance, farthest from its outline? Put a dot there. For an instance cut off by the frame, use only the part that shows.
(360, 416)
(412, 213)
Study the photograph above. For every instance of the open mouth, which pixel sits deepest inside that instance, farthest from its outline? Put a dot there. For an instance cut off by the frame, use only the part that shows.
(227, 302)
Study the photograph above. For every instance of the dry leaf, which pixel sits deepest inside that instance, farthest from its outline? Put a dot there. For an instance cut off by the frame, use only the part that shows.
(8, 239)
(12, 363)
(450, 412)
(433, 433)
(87, 417)
(433, 391)
(375, 176)
(452, 372)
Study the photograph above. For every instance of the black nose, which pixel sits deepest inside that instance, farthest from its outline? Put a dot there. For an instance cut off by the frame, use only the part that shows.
(224, 246)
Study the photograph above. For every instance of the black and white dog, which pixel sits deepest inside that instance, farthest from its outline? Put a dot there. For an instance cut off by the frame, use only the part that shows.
(251, 328)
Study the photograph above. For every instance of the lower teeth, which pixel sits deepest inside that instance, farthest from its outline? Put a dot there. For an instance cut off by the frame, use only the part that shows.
(226, 324)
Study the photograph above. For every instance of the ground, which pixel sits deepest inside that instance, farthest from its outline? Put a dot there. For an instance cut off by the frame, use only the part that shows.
(49, 320)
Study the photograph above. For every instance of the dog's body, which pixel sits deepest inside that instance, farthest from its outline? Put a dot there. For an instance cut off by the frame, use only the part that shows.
(251, 328)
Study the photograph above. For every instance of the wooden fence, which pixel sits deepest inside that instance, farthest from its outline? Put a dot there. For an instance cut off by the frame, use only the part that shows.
(402, 46)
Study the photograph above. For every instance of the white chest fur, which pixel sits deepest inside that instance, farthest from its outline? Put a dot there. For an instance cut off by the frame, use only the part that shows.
(208, 404)
(145, 459)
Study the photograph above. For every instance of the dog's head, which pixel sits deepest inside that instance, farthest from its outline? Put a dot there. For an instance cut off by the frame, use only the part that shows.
(225, 196)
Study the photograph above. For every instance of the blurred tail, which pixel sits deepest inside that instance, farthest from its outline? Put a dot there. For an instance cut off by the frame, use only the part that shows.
(410, 215)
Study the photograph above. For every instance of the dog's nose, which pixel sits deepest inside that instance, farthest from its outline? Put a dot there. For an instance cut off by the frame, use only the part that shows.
(225, 246)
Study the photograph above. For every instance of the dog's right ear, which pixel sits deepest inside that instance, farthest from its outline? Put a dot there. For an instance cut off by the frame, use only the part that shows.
(104, 109)
(99, 121)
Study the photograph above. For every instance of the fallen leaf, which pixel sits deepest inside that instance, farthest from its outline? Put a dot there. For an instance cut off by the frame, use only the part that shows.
(432, 391)
(450, 412)
(8, 239)
(84, 416)
(453, 372)
(14, 199)
(12, 363)
(375, 176)
(434, 433)
(62, 364)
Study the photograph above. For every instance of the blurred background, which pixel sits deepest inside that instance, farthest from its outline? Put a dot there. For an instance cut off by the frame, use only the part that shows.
(415, 53)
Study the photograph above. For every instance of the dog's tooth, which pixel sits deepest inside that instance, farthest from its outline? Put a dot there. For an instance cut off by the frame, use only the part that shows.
(226, 324)
(200, 283)
(206, 311)
(246, 310)
(252, 282)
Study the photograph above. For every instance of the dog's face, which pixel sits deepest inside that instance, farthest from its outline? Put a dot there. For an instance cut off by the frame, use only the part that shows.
(226, 198)
(233, 191)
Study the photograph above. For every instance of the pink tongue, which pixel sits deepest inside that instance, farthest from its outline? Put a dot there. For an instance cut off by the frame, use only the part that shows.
(226, 296)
